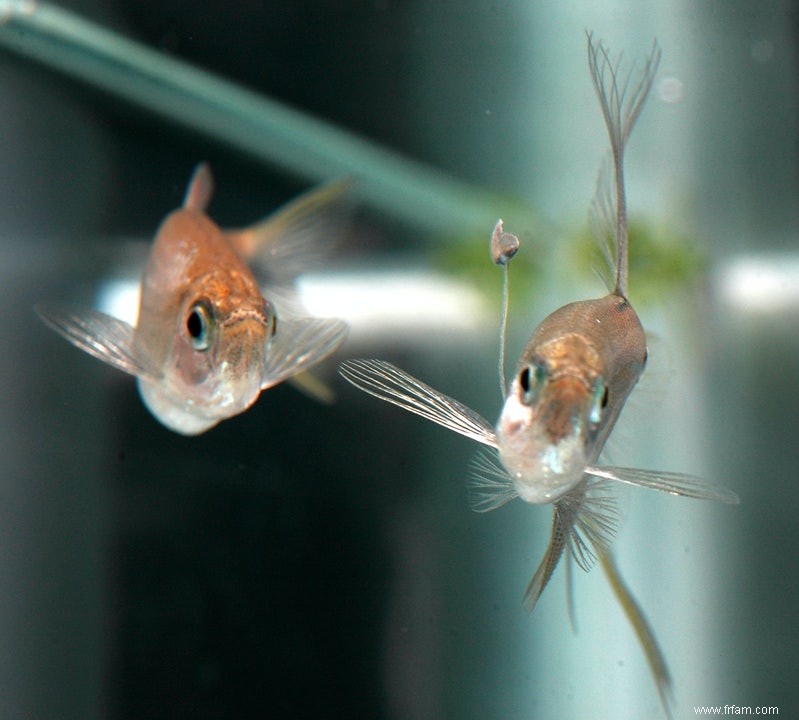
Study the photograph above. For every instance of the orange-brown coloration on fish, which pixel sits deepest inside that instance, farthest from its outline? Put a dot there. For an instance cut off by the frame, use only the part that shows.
(195, 284)
(190, 252)
(558, 417)
(572, 380)
(207, 341)
(591, 339)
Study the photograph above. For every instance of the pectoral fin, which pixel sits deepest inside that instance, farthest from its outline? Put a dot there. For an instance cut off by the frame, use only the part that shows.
(671, 482)
(388, 382)
(105, 337)
(312, 386)
(299, 345)
(489, 485)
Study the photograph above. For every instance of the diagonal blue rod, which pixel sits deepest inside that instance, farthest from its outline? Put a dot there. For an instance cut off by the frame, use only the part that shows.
(261, 127)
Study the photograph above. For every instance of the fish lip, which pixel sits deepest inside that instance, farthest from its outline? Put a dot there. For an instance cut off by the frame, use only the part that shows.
(234, 388)
(542, 471)
(536, 494)
(238, 361)
(239, 315)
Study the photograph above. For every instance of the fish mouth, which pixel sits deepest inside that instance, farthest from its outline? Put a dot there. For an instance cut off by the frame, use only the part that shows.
(248, 320)
(240, 357)
(543, 447)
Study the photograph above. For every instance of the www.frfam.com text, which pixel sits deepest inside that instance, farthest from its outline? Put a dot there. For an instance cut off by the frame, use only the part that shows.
(736, 710)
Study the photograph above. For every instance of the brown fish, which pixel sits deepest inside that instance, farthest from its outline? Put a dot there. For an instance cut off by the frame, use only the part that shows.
(207, 341)
(570, 385)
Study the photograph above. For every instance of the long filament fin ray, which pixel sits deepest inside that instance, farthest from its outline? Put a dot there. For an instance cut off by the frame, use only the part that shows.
(643, 631)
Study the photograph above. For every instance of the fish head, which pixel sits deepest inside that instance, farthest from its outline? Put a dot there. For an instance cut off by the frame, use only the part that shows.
(215, 368)
(550, 420)
(221, 344)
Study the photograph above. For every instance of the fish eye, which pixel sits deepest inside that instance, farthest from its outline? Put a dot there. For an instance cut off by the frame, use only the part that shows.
(601, 398)
(271, 318)
(646, 357)
(531, 380)
(199, 325)
(524, 379)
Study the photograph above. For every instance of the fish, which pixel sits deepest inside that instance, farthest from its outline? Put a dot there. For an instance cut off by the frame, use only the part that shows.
(569, 387)
(207, 341)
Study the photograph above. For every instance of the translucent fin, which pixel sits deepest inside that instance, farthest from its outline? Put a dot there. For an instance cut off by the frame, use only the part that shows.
(557, 542)
(670, 482)
(570, 596)
(621, 101)
(489, 486)
(583, 520)
(590, 515)
(601, 221)
(646, 637)
(299, 345)
(102, 336)
(312, 386)
(299, 236)
(387, 382)
(200, 189)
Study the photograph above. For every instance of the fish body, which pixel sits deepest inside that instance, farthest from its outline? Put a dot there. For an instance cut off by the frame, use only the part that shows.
(570, 385)
(573, 376)
(207, 341)
(202, 320)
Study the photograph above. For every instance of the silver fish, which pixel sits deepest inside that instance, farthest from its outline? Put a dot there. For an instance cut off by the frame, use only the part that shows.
(207, 342)
(570, 385)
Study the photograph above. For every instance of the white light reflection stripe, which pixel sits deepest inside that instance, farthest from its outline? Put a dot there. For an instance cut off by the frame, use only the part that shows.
(373, 303)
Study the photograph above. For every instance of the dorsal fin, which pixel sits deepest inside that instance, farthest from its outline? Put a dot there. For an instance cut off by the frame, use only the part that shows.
(602, 223)
(200, 189)
(621, 100)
